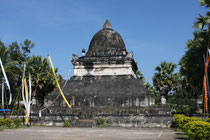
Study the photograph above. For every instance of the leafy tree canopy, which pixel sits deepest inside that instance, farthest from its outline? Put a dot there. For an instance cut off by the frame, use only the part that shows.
(165, 80)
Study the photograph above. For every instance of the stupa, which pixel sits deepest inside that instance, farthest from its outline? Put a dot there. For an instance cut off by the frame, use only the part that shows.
(104, 80)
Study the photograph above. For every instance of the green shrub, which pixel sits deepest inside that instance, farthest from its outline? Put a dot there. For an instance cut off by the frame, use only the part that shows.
(207, 120)
(8, 122)
(101, 122)
(183, 109)
(17, 122)
(197, 112)
(177, 119)
(181, 120)
(67, 123)
(1, 122)
(186, 120)
(198, 130)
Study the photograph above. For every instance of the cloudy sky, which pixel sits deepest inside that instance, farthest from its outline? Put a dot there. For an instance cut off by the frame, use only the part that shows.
(155, 30)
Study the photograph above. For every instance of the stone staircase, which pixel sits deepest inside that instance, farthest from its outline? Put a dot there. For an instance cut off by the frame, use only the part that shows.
(85, 123)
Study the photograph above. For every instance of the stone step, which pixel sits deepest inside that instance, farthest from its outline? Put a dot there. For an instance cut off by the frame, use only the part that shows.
(86, 123)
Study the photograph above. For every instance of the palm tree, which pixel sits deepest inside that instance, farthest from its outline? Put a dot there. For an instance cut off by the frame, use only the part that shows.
(165, 80)
(41, 75)
(140, 76)
(202, 24)
(10, 67)
(9, 64)
(205, 3)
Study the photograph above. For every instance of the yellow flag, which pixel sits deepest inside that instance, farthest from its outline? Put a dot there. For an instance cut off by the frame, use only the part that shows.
(58, 83)
(26, 100)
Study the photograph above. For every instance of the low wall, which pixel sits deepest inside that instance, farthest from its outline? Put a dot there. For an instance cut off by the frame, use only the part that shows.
(156, 120)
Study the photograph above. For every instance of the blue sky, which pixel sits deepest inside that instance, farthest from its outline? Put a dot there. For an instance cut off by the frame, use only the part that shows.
(155, 30)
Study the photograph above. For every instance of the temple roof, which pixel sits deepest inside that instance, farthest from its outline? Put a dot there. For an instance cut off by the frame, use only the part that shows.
(106, 42)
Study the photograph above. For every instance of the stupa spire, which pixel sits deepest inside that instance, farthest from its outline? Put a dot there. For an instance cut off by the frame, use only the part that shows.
(107, 25)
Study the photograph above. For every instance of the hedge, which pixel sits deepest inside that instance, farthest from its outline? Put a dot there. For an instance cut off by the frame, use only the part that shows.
(194, 127)
(178, 119)
(101, 122)
(1, 122)
(198, 130)
(181, 120)
(67, 123)
(9, 122)
(17, 122)
(207, 120)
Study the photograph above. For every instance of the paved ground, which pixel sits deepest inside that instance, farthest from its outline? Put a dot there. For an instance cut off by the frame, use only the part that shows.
(59, 133)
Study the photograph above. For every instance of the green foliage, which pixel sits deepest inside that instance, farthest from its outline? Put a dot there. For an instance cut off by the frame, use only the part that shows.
(140, 76)
(193, 127)
(203, 22)
(182, 109)
(101, 122)
(13, 58)
(17, 122)
(177, 119)
(207, 120)
(186, 120)
(198, 130)
(181, 102)
(1, 122)
(180, 120)
(41, 76)
(165, 80)
(205, 3)
(8, 122)
(67, 123)
(149, 87)
(192, 63)
(19, 109)
(9, 64)
(26, 46)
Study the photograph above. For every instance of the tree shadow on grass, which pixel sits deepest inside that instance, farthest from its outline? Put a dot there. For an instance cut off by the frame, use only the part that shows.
(181, 136)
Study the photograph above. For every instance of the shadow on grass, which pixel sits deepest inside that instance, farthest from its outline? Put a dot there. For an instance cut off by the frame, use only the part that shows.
(181, 135)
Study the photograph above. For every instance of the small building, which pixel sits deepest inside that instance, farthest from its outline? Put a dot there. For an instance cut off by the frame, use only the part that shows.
(104, 80)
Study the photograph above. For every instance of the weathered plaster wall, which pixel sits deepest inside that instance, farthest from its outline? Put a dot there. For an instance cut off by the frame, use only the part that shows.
(94, 101)
(111, 120)
(104, 69)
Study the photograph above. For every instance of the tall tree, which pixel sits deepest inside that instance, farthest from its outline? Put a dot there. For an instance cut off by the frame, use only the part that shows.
(192, 63)
(42, 78)
(9, 64)
(202, 24)
(205, 3)
(165, 79)
(10, 67)
(26, 46)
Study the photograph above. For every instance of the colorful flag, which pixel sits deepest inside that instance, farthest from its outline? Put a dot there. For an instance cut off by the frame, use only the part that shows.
(58, 83)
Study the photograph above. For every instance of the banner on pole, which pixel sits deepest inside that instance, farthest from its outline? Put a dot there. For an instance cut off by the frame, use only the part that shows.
(7, 82)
